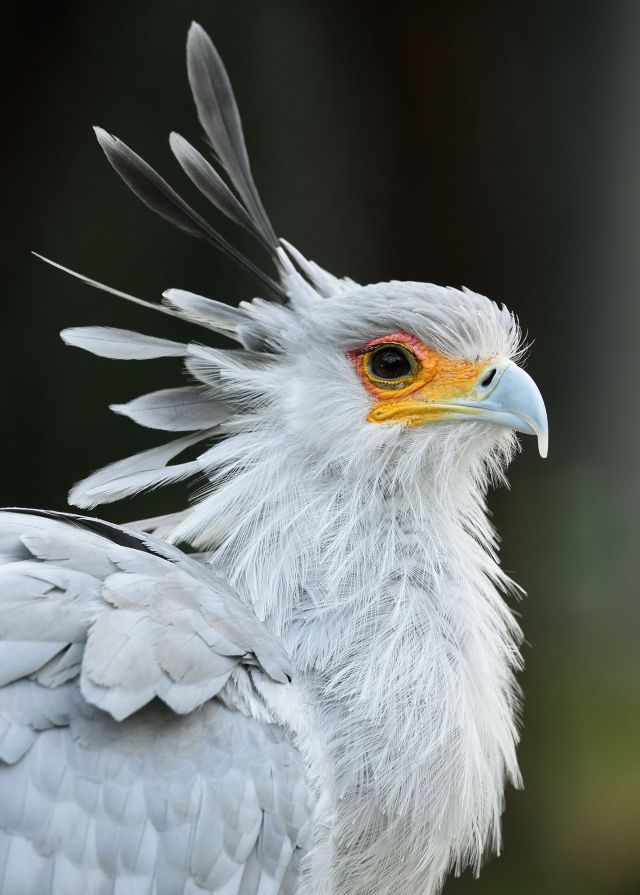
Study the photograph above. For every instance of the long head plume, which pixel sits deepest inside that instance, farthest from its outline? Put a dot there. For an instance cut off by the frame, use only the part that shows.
(254, 325)
(305, 304)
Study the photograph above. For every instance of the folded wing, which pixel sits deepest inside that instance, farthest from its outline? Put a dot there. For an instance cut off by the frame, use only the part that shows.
(133, 741)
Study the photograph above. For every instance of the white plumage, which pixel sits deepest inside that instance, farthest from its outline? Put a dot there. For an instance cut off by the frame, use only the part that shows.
(321, 701)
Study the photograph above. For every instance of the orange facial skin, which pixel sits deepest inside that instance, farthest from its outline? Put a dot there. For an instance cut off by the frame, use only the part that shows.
(423, 395)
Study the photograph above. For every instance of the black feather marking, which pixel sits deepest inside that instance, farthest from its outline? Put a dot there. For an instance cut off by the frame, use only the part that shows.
(157, 195)
(220, 119)
(113, 533)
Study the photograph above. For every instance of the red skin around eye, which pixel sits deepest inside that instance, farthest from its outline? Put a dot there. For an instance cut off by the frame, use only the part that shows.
(437, 377)
(427, 360)
(404, 338)
(414, 345)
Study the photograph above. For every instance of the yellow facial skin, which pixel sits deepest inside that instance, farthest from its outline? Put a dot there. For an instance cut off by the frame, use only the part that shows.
(423, 395)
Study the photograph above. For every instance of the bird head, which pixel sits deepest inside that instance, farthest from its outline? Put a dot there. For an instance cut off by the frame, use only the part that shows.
(357, 376)
(409, 363)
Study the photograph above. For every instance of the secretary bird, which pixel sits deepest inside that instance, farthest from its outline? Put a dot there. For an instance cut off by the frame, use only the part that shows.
(316, 694)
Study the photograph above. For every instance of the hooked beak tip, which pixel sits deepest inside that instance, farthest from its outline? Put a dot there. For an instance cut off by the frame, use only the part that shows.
(515, 401)
(543, 444)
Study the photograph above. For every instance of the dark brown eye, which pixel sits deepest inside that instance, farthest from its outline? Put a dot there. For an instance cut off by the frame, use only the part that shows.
(390, 362)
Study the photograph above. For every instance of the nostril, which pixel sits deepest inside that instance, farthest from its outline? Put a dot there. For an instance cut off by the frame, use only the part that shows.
(488, 379)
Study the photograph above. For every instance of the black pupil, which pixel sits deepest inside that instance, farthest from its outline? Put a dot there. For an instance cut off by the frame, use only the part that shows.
(390, 363)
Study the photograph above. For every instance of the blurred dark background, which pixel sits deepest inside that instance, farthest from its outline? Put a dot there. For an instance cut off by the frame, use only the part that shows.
(491, 145)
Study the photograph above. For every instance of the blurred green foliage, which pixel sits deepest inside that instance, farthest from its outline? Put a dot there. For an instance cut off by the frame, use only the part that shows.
(494, 145)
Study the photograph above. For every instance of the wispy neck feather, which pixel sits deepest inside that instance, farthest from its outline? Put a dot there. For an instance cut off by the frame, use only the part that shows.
(387, 588)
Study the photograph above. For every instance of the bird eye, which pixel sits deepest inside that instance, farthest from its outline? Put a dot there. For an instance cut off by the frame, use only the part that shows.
(390, 364)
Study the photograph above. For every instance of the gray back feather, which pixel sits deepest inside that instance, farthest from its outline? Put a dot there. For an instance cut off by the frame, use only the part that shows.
(154, 623)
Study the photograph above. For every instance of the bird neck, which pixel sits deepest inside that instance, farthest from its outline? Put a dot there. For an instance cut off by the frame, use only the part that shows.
(409, 666)
(388, 594)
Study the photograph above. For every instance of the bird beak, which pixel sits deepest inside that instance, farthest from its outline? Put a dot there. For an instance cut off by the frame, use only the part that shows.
(498, 392)
(508, 398)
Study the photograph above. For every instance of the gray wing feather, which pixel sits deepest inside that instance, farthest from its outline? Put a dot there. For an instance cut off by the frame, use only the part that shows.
(155, 625)
(157, 802)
